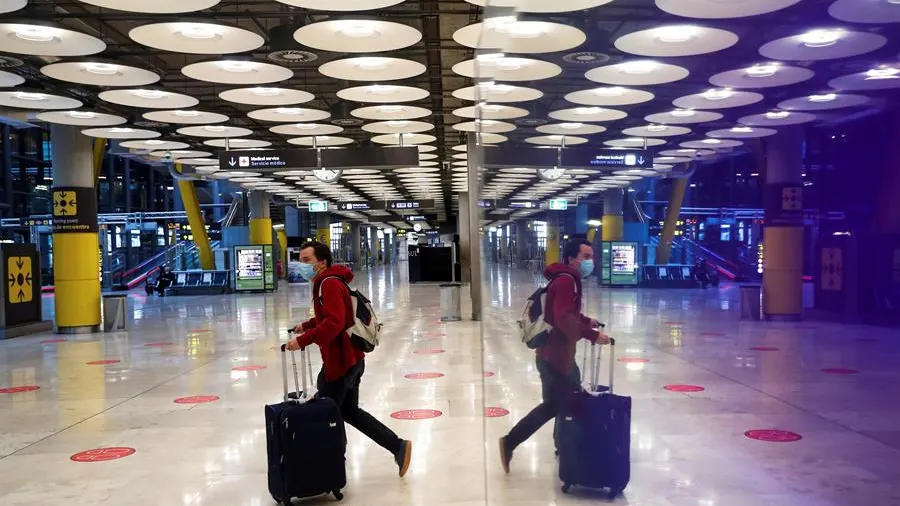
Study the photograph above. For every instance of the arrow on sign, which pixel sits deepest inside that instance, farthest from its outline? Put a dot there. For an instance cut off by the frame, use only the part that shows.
(232, 162)
(641, 160)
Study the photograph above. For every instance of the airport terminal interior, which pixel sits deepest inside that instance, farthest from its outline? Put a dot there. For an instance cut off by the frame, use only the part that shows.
(731, 166)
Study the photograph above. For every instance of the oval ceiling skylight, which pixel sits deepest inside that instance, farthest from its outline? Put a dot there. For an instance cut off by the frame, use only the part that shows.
(289, 115)
(237, 143)
(99, 74)
(588, 114)
(507, 68)
(881, 77)
(709, 144)
(213, 131)
(36, 99)
(148, 98)
(683, 117)
(341, 5)
(497, 93)
(717, 9)
(196, 38)
(718, 99)
(306, 129)
(408, 139)
(742, 132)
(635, 142)
(155, 6)
(237, 71)
(383, 93)
(676, 40)
(185, 117)
(609, 96)
(357, 35)
(822, 44)
(121, 133)
(8, 79)
(491, 111)
(763, 75)
(656, 131)
(11, 5)
(320, 141)
(47, 40)
(508, 34)
(151, 144)
(824, 101)
(570, 129)
(866, 11)
(390, 112)
(81, 117)
(543, 5)
(398, 126)
(637, 73)
(372, 69)
(487, 125)
(264, 95)
(777, 118)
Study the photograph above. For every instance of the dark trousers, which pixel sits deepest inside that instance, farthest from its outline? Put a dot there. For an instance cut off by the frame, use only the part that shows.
(345, 393)
(555, 387)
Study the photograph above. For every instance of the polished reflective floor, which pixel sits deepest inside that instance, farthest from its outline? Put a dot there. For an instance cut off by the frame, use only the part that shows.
(725, 412)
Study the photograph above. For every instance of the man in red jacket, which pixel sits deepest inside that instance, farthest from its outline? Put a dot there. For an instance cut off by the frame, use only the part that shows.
(560, 376)
(342, 363)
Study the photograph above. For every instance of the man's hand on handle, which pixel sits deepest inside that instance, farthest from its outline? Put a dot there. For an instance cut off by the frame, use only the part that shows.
(292, 344)
(601, 338)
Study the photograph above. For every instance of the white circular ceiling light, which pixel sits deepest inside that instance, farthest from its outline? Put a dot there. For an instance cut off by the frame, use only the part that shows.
(722, 98)
(47, 40)
(637, 73)
(777, 118)
(764, 75)
(289, 115)
(341, 5)
(683, 117)
(99, 74)
(238, 71)
(486, 125)
(865, 11)
(526, 37)
(823, 44)
(178, 153)
(80, 117)
(710, 143)
(882, 77)
(676, 40)
(742, 132)
(656, 131)
(121, 133)
(635, 142)
(398, 126)
(609, 96)
(185, 117)
(8, 79)
(357, 35)
(148, 98)
(154, 6)
(490, 111)
(824, 101)
(213, 131)
(153, 144)
(266, 96)
(35, 99)
(11, 5)
(717, 9)
(588, 114)
(372, 69)
(383, 94)
(495, 93)
(408, 139)
(237, 143)
(196, 38)
(543, 5)
(507, 68)
(390, 112)
(570, 129)
(306, 129)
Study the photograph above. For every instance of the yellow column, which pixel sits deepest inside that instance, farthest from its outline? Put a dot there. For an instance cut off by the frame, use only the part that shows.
(676, 198)
(198, 227)
(76, 244)
(613, 228)
(323, 233)
(260, 222)
(553, 242)
(613, 222)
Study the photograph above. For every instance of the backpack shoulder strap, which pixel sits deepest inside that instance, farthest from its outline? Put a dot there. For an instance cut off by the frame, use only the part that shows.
(554, 278)
(322, 283)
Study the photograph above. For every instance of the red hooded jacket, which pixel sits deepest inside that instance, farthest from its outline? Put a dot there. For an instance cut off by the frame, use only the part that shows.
(563, 312)
(328, 329)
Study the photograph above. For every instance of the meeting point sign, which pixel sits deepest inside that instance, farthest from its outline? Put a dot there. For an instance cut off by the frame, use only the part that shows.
(74, 210)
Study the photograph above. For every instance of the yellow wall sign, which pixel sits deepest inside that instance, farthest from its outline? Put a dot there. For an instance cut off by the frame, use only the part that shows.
(65, 203)
(20, 281)
(74, 210)
(832, 269)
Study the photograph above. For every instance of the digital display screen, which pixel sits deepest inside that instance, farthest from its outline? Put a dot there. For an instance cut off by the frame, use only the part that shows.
(624, 258)
(318, 206)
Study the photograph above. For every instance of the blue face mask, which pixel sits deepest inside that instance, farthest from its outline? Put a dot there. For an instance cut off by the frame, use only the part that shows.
(586, 268)
(307, 271)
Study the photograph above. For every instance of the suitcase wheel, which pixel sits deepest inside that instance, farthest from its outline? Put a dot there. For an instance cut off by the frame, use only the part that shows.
(338, 495)
(565, 488)
(277, 500)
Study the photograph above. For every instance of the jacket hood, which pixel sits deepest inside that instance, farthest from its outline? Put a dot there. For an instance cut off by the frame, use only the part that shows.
(341, 271)
(560, 268)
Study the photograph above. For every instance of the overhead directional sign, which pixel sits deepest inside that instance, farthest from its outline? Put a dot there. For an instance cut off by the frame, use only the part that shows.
(318, 206)
(399, 205)
(568, 158)
(286, 159)
(559, 204)
(381, 205)
(622, 158)
(360, 206)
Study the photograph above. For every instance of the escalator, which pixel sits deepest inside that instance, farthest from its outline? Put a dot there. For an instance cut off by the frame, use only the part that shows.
(732, 267)
(182, 256)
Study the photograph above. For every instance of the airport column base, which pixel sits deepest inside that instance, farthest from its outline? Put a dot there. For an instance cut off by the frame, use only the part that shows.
(76, 247)
(613, 215)
(260, 222)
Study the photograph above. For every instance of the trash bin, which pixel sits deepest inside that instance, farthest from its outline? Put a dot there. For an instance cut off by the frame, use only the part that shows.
(751, 302)
(115, 313)
(451, 310)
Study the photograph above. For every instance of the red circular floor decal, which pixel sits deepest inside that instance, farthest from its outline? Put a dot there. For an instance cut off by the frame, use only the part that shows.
(488, 374)
(764, 348)
(103, 362)
(428, 352)
(495, 412)
(197, 399)
(840, 370)
(103, 454)
(56, 340)
(416, 414)
(634, 360)
(773, 435)
(19, 389)
(424, 375)
(245, 368)
(684, 388)
(434, 335)
(159, 344)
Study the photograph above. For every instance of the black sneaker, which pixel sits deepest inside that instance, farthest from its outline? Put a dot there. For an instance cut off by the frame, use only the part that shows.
(403, 457)
(505, 454)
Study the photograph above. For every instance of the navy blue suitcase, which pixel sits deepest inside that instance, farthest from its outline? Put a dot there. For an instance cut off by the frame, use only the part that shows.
(306, 443)
(594, 430)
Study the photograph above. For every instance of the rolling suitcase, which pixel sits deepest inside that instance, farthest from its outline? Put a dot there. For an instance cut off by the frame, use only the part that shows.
(306, 440)
(595, 434)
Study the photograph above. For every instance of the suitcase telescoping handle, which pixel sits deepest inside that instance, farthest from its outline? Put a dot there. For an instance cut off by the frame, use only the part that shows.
(596, 357)
(305, 371)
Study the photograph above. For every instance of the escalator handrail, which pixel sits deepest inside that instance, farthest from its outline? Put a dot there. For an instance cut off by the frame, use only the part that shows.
(143, 277)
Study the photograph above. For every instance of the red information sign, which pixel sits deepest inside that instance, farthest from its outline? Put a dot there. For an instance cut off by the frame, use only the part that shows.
(247, 368)
(103, 362)
(103, 454)
(630, 360)
(19, 389)
(429, 352)
(197, 399)
(495, 412)
(764, 348)
(159, 344)
(423, 375)
(773, 435)
(839, 370)
(684, 388)
(416, 414)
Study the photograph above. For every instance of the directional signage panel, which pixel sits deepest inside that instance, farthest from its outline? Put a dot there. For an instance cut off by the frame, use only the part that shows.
(360, 206)
(347, 158)
(399, 205)
(381, 205)
(570, 158)
(318, 206)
